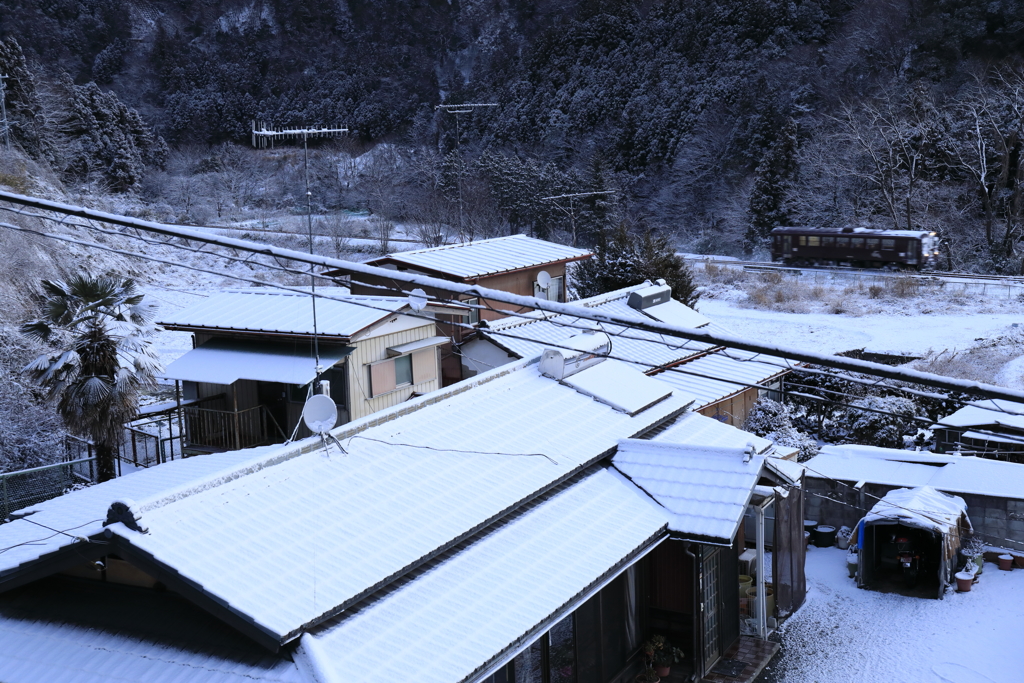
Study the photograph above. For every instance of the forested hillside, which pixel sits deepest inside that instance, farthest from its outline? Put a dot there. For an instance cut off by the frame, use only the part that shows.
(713, 121)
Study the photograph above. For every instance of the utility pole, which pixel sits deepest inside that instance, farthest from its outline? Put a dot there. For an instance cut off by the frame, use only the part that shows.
(3, 112)
(458, 110)
(261, 135)
(571, 211)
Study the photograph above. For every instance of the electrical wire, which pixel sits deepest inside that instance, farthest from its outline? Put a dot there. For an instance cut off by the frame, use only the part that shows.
(453, 450)
(57, 532)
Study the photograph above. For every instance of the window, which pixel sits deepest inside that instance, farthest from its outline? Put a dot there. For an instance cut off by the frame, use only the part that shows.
(828, 241)
(888, 245)
(814, 241)
(872, 243)
(554, 291)
(857, 242)
(474, 313)
(842, 242)
(403, 371)
(803, 241)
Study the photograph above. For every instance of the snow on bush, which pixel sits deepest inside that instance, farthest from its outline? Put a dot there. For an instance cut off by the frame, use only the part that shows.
(879, 421)
(774, 421)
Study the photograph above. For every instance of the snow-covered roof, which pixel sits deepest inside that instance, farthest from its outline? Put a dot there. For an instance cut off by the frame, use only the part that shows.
(36, 650)
(694, 429)
(892, 467)
(486, 257)
(286, 540)
(289, 313)
(855, 231)
(922, 507)
(529, 337)
(715, 376)
(706, 488)
(474, 606)
(225, 361)
(1005, 413)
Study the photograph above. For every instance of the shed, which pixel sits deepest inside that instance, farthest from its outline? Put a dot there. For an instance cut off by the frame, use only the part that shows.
(933, 520)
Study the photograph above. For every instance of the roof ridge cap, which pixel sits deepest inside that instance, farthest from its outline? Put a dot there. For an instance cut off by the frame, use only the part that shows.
(277, 457)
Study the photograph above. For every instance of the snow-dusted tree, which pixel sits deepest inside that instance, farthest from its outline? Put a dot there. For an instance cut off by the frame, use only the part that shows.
(623, 258)
(104, 359)
(772, 179)
(880, 421)
(774, 421)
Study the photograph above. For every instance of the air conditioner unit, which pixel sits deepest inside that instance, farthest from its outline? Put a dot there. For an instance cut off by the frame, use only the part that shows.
(748, 562)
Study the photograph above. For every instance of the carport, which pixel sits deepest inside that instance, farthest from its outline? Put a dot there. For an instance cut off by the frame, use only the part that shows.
(934, 521)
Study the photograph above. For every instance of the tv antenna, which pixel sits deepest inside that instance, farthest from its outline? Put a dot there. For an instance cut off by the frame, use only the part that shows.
(3, 112)
(571, 210)
(261, 136)
(457, 110)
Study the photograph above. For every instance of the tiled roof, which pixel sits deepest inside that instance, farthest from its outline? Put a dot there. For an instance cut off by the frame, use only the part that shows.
(483, 600)
(291, 539)
(487, 257)
(33, 652)
(286, 313)
(694, 429)
(705, 488)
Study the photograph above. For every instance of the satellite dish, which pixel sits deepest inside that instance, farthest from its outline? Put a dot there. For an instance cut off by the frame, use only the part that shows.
(319, 413)
(417, 299)
(544, 279)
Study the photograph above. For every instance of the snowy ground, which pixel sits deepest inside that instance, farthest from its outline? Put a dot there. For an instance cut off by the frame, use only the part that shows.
(882, 333)
(843, 634)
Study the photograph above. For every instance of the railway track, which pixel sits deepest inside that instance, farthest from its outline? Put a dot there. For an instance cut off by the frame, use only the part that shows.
(765, 266)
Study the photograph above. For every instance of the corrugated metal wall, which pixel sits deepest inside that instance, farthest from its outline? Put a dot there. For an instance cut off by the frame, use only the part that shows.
(375, 349)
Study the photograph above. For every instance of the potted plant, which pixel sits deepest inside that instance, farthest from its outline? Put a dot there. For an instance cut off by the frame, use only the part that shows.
(660, 655)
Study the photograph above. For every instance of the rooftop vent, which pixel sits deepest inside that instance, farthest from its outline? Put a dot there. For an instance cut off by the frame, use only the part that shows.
(586, 350)
(649, 296)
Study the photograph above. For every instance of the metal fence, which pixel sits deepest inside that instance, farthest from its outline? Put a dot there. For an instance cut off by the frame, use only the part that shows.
(28, 487)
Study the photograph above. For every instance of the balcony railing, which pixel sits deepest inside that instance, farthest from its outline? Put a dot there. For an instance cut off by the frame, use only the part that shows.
(207, 429)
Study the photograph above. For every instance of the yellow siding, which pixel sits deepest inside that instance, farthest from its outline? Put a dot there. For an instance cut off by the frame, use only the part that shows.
(375, 349)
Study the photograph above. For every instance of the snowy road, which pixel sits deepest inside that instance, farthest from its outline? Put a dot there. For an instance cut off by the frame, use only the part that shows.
(879, 333)
(843, 634)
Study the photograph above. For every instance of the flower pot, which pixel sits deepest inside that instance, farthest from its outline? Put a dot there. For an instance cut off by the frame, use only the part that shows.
(1006, 562)
(851, 565)
(662, 671)
(964, 581)
(745, 583)
(1018, 560)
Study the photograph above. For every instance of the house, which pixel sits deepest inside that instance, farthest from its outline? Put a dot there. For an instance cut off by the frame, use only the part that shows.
(255, 355)
(844, 482)
(516, 263)
(997, 433)
(512, 543)
(724, 382)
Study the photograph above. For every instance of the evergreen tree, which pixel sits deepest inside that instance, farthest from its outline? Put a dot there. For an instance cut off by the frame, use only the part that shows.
(772, 179)
(623, 258)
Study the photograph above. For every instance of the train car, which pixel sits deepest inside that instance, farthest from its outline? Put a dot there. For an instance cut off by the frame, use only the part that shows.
(859, 247)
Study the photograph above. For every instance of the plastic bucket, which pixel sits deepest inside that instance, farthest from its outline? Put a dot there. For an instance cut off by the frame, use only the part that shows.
(1006, 562)
(745, 583)
(809, 524)
(825, 536)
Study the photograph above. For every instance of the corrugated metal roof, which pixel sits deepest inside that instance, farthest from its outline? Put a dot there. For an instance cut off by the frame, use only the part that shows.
(953, 473)
(706, 488)
(488, 257)
(718, 375)
(224, 361)
(482, 599)
(286, 313)
(305, 534)
(528, 338)
(976, 416)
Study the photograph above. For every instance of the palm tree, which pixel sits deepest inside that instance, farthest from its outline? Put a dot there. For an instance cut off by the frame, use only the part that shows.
(103, 330)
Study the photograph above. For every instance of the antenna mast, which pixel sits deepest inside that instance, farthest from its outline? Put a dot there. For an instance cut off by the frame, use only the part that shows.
(571, 210)
(457, 110)
(3, 112)
(261, 136)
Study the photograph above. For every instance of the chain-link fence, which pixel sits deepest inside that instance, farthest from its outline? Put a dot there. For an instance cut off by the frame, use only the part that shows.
(28, 487)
